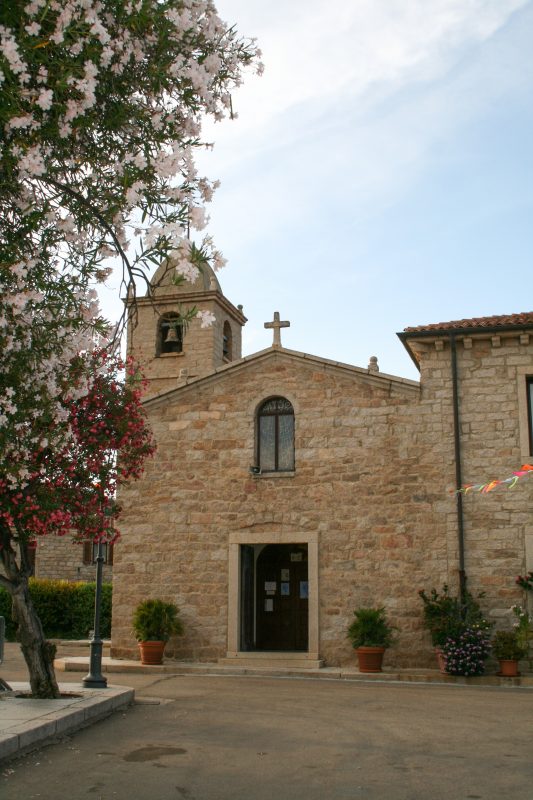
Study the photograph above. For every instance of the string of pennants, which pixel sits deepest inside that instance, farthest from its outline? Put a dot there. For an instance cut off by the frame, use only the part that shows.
(484, 488)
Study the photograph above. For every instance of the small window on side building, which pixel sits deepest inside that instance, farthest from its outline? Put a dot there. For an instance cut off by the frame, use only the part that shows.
(90, 552)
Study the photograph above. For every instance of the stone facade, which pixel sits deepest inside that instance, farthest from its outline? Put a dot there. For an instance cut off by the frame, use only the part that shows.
(58, 558)
(492, 370)
(371, 494)
(166, 371)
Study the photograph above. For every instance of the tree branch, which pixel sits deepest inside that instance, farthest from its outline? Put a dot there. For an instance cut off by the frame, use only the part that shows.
(126, 265)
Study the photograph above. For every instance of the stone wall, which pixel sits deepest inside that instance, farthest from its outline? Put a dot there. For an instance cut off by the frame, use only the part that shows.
(492, 374)
(202, 347)
(59, 558)
(374, 476)
(363, 480)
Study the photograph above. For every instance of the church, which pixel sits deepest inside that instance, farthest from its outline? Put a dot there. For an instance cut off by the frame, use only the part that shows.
(287, 489)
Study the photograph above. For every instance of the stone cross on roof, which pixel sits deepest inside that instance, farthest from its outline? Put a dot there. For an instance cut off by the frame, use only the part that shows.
(276, 325)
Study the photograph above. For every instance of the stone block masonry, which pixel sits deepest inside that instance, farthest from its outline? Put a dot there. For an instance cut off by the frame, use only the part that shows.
(360, 480)
(372, 490)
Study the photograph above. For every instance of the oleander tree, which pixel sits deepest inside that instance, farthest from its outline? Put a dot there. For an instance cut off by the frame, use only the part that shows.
(69, 485)
(101, 108)
(102, 105)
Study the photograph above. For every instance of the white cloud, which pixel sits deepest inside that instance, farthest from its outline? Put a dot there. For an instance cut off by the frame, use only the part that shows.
(315, 50)
(354, 101)
(361, 101)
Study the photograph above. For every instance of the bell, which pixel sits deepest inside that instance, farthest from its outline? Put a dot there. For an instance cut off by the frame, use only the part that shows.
(172, 335)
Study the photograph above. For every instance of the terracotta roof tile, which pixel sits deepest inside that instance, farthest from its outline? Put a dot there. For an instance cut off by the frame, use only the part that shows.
(501, 321)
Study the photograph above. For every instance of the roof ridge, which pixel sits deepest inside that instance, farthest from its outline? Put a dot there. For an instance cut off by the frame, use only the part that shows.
(497, 320)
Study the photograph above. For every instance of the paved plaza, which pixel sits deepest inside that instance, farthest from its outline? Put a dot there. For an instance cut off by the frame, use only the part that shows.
(255, 738)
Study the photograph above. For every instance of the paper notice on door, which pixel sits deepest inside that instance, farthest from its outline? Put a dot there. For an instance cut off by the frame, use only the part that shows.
(304, 590)
(269, 604)
(285, 574)
(285, 589)
(296, 556)
(270, 587)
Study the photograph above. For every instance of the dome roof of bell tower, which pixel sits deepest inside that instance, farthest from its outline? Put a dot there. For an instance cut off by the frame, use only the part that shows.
(163, 281)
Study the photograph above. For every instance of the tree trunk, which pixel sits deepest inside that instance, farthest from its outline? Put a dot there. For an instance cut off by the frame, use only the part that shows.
(38, 653)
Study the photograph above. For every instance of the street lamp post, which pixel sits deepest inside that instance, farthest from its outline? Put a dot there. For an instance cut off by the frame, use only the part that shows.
(95, 679)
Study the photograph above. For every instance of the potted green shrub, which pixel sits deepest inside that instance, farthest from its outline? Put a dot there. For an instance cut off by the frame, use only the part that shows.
(508, 650)
(442, 615)
(370, 634)
(154, 622)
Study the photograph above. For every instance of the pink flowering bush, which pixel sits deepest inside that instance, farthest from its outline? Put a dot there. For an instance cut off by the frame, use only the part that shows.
(72, 489)
(466, 653)
(525, 581)
(69, 488)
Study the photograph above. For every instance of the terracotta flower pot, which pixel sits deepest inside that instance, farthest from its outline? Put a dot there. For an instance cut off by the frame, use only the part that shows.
(370, 658)
(152, 652)
(441, 660)
(508, 668)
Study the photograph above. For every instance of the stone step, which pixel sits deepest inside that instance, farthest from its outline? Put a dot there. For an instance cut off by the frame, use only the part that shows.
(271, 661)
(71, 643)
(169, 667)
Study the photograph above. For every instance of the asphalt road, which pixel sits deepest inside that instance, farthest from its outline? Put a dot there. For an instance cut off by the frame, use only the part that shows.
(233, 738)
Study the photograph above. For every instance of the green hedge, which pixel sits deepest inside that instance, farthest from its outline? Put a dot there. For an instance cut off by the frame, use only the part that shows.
(66, 610)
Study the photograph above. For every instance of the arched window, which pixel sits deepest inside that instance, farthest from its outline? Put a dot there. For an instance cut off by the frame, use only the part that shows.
(170, 335)
(227, 342)
(275, 436)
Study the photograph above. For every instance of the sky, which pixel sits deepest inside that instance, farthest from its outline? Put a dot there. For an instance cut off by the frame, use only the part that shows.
(379, 174)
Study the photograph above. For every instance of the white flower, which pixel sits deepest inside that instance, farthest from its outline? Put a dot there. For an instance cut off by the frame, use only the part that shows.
(183, 265)
(206, 318)
(134, 193)
(45, 99)
(218, 260)
(140, 161)
(33, 8)
(97, 29)
(34, 29)
(106, 56)
(198, 217)
(32, 163)
(65, 130)
(20, 122)
(212, 63)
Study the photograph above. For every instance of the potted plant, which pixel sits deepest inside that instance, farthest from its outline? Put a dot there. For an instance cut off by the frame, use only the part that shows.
(154, 622)
(466, 653)
(451, 621)
(370, 634)
(510, 646)
(442, 614)
(507, 649)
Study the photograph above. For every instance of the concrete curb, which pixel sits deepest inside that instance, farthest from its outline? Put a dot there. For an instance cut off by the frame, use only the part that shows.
(432, 676)
(27, 723)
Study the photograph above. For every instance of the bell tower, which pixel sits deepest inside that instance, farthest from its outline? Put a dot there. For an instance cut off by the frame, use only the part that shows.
(170, 353)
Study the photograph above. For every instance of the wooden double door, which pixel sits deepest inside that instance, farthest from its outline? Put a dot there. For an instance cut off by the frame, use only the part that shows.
(274, 597)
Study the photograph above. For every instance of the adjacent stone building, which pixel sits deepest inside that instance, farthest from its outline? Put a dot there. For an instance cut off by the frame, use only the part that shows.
(289, 489)
(59, 558)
